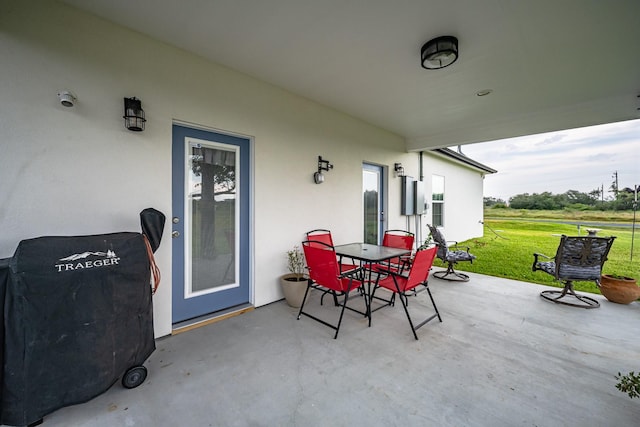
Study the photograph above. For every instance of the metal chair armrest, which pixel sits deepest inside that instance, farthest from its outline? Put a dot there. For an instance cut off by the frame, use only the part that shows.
(383, 270)
(535, 260)
(455, 246)
(397, 274)
(353, 272)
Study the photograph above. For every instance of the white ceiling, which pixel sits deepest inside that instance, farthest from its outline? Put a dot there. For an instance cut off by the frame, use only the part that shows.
(552, 64)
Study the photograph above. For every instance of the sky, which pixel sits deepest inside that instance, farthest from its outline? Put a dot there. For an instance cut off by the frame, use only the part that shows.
(582, 159)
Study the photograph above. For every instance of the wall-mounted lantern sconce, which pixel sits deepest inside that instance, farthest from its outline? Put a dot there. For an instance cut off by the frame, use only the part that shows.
(323, 165)
(398, 169)
(67, 99)
(133, 114)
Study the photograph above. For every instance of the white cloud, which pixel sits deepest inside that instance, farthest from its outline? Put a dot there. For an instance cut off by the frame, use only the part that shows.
(580, 159)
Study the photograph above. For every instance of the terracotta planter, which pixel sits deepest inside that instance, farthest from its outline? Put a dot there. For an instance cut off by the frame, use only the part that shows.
(293, 289)
(619, 290)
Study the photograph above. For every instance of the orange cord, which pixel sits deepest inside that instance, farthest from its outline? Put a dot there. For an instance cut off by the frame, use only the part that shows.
(155, 271)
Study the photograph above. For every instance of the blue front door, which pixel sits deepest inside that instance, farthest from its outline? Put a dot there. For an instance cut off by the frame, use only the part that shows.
(210, 224)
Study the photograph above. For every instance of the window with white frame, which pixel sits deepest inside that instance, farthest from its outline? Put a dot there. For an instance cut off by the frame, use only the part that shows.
(437, 200)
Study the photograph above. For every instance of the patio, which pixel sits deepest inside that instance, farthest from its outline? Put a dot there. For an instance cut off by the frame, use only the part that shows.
(501, 357)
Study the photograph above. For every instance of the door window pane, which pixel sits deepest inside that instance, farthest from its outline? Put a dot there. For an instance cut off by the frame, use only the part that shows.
(371, 203)
(212, 221)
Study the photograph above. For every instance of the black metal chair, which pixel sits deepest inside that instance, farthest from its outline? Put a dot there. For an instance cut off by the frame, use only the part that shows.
(578, 258)
(450, 255)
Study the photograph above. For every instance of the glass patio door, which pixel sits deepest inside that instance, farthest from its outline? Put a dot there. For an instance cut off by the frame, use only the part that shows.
(210, 222)
(373, 195)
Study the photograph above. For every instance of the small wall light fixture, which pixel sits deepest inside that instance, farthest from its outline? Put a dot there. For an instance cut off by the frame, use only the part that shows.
(323, 165)
(133, 114)
(67, 99)
(439, 52)
(398, 169)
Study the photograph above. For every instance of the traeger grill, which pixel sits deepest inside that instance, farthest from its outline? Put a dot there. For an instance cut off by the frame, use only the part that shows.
(78, 316)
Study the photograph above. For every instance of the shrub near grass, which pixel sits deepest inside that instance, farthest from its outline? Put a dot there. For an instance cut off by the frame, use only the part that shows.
(511, 255)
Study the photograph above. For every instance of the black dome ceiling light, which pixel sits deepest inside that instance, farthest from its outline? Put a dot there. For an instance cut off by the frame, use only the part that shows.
(439, 52)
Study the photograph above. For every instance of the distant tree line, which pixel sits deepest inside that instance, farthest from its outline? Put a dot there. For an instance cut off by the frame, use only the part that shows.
(622, 199)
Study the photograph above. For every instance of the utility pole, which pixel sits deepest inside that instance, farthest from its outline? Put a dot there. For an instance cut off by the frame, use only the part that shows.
(615, 184)
(635, 207)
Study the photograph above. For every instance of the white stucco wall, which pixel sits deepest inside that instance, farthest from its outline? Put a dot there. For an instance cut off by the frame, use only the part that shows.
(79, 171)
(463, 205)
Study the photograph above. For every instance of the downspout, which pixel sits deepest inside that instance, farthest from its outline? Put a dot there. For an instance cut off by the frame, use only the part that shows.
(418, 239)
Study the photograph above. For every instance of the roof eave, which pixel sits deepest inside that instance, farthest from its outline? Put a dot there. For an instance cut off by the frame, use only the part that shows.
(459, 157)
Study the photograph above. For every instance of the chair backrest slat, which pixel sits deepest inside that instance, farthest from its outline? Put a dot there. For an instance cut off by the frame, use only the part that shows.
(323, 264)
(440, 241)
(581, 257)
(320, 235)
(420, 268)
(398, 239)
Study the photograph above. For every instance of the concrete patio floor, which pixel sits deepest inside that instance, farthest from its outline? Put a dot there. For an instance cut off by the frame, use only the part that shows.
(502, 357)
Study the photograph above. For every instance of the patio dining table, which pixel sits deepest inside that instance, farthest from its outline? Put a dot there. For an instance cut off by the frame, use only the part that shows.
(368, 255)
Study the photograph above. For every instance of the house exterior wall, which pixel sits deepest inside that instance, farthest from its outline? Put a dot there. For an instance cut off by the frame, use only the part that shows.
(463, 204)
(75, 171)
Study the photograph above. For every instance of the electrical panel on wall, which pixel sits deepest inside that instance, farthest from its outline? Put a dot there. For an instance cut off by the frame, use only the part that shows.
(406, 196)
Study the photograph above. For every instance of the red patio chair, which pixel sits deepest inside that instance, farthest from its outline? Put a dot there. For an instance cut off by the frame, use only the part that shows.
(324, 236)
(397, 239)
(320, 235)
(405, 285)
(325, 273)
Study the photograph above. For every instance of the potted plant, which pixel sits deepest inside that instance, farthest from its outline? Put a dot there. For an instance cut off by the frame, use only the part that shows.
(629, 384)
(428, 242)
(294, 284)
(619, 289)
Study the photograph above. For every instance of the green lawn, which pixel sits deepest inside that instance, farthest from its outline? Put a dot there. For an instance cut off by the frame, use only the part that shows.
(511, 255)
(566, 214)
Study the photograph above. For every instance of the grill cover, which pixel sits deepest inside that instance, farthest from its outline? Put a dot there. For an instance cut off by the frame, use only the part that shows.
(77, 315)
